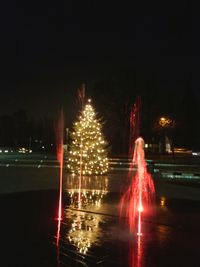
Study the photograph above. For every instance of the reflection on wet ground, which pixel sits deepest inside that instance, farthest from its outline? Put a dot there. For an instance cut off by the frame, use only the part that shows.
(91, 232)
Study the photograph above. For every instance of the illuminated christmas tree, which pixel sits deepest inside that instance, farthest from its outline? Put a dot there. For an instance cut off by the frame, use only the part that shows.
(88, 149)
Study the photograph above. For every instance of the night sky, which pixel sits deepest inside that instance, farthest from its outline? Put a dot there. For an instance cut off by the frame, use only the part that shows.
(118, 51)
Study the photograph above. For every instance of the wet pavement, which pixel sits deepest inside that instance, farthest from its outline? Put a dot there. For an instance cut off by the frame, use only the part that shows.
(93, 234)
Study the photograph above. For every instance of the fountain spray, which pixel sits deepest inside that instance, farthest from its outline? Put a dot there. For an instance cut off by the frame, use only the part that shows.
(60, 155)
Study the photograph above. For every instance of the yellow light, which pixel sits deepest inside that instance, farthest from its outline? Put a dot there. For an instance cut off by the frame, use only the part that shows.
(162, 201)
(164, 122)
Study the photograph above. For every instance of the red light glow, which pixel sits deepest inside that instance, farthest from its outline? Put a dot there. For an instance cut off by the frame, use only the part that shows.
(60, 153)
(139, 195)
(134, 124)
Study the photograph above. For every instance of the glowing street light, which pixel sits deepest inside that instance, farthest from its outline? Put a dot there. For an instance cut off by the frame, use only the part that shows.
(165, 122)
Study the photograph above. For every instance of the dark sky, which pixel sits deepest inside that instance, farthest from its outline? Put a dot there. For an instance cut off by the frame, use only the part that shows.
(49, 49)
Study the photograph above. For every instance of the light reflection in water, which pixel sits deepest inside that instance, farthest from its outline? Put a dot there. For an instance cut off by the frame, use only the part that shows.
(58, 243)
(139, 252)
(91, 193)
(84, 230)
(136, 248)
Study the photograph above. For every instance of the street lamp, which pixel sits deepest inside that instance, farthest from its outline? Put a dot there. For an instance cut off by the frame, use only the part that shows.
(165, 122)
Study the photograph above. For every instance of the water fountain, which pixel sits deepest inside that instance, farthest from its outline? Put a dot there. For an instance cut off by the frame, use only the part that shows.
(140, 194)
(60, 154)
(134, 124)
(137, 200)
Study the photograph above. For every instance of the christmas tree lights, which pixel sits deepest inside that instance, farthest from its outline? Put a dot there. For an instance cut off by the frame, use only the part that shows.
(88, 153)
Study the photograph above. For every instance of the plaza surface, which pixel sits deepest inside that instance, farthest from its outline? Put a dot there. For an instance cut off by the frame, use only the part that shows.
(93, 235)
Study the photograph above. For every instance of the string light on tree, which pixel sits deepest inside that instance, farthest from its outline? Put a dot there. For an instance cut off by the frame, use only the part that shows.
(88, 153)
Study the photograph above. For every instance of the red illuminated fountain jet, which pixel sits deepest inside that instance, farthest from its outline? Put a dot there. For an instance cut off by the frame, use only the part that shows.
(139, 195)
(60, 153)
